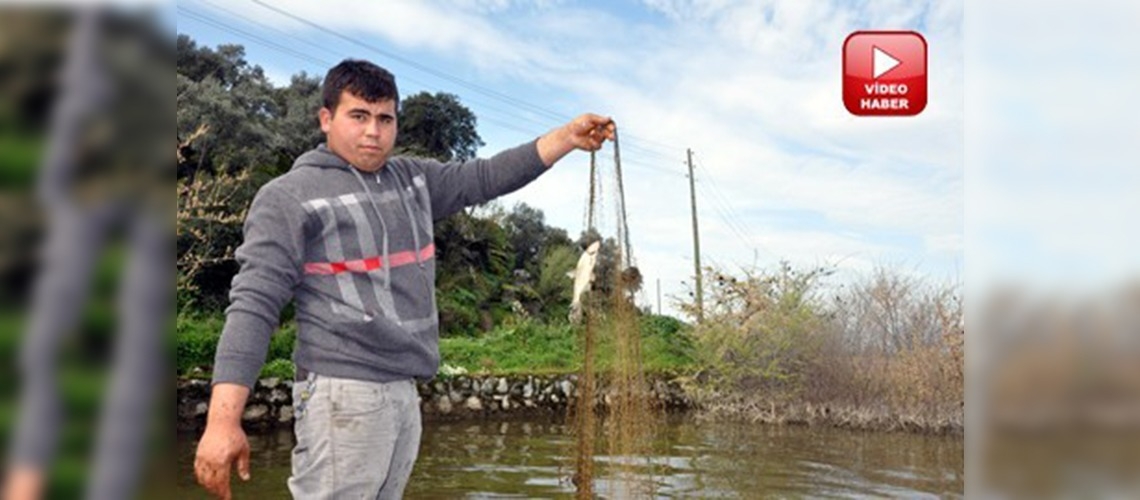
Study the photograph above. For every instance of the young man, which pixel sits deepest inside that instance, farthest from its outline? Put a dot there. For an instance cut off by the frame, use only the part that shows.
(347, 234)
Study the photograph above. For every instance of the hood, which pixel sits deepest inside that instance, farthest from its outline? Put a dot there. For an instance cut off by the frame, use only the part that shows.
(320, 157)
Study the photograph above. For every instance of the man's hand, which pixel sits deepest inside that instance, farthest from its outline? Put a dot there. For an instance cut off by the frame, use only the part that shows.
(23, 483)
(220, 446)
(224, 441)
(587, 132)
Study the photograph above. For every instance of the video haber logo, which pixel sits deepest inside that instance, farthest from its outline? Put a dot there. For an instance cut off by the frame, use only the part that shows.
(884, 73)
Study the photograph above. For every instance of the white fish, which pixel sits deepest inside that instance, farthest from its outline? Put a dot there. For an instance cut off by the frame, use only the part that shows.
(583, 275)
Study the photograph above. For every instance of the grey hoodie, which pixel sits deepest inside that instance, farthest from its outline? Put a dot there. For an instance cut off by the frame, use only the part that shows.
(355, 250)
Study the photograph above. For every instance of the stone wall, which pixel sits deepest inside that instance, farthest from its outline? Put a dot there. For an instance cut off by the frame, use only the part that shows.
(458, 397)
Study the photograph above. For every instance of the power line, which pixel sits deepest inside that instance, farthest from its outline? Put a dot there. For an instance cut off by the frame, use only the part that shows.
(440, 74)
(424, 68)
(733, 228)
(307, 57)
(728, 215)
(732, 213)
(437, 73)
(719, 194)
(257, 39)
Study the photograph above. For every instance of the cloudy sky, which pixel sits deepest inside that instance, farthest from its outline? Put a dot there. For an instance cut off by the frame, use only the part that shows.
(752, 87)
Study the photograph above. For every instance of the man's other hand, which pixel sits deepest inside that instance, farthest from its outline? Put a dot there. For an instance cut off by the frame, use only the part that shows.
(220, 446)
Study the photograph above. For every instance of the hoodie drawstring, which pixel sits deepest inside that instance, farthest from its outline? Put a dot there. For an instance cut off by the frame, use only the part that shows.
(411, 217)
(383, 227)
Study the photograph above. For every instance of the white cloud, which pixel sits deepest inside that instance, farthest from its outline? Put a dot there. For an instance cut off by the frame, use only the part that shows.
(753, 87)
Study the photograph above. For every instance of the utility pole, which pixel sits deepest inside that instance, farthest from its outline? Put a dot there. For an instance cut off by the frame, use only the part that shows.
(658, 296)
(696, 241)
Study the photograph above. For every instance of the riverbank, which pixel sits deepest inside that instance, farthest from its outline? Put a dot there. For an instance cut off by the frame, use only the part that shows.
(842, 416)
(505, 397)
(443, 398)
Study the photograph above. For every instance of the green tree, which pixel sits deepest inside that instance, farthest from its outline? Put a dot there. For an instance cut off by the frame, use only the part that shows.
(473, 262)
(296, 125)
(530, 236)
(235, 100)
(437, 126)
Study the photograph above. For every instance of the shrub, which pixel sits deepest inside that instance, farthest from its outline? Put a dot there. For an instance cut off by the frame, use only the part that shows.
(196, 341)
(760, 330)
(279, 368)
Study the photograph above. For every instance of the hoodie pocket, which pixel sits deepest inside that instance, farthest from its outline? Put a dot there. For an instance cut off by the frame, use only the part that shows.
(371, 334)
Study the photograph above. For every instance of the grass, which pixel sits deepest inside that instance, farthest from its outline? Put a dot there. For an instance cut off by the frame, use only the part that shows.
(529, 347)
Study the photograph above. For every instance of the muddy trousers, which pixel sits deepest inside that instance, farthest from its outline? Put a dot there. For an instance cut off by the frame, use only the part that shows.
(355, 439)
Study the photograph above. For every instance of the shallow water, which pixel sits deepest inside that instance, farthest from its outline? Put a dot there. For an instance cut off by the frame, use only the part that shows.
(532, 459)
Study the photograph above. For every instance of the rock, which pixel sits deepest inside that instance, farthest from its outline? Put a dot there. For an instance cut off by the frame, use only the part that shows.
(270, 382)
(444, 405)
(488, 386)
(528, 389)
(455, 397)
(255, 412)
(200, 409)
(185, 411)
(474, 404)
(439, 388)
(566, 387)
(503, 387)
(285, 414)
(506, 403)
(278, 396)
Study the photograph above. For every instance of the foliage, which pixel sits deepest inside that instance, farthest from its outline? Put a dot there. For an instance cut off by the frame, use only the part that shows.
(760, 330)
(252, 126)
(196, 340)
(553, 288)
(896, 341)
(211, 212)
(530, 236)
(667, 343)
(32, 45)
(279, 368)
(883, 351)
(525, 346)
(437, 126)
(197, 335)
(473, 259)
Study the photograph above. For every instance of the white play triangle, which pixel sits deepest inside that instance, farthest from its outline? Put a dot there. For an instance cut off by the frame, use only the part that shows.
(882, 62)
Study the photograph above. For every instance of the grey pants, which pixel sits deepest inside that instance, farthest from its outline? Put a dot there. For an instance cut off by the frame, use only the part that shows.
(355, 439)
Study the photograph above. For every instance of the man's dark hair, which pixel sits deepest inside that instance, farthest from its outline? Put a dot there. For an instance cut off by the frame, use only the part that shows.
(360, 78)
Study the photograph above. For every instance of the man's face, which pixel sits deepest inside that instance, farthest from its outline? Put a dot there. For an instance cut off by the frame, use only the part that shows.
(361, 132)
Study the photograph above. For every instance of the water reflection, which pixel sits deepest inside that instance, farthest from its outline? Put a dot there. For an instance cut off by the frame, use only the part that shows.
(687, 459)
